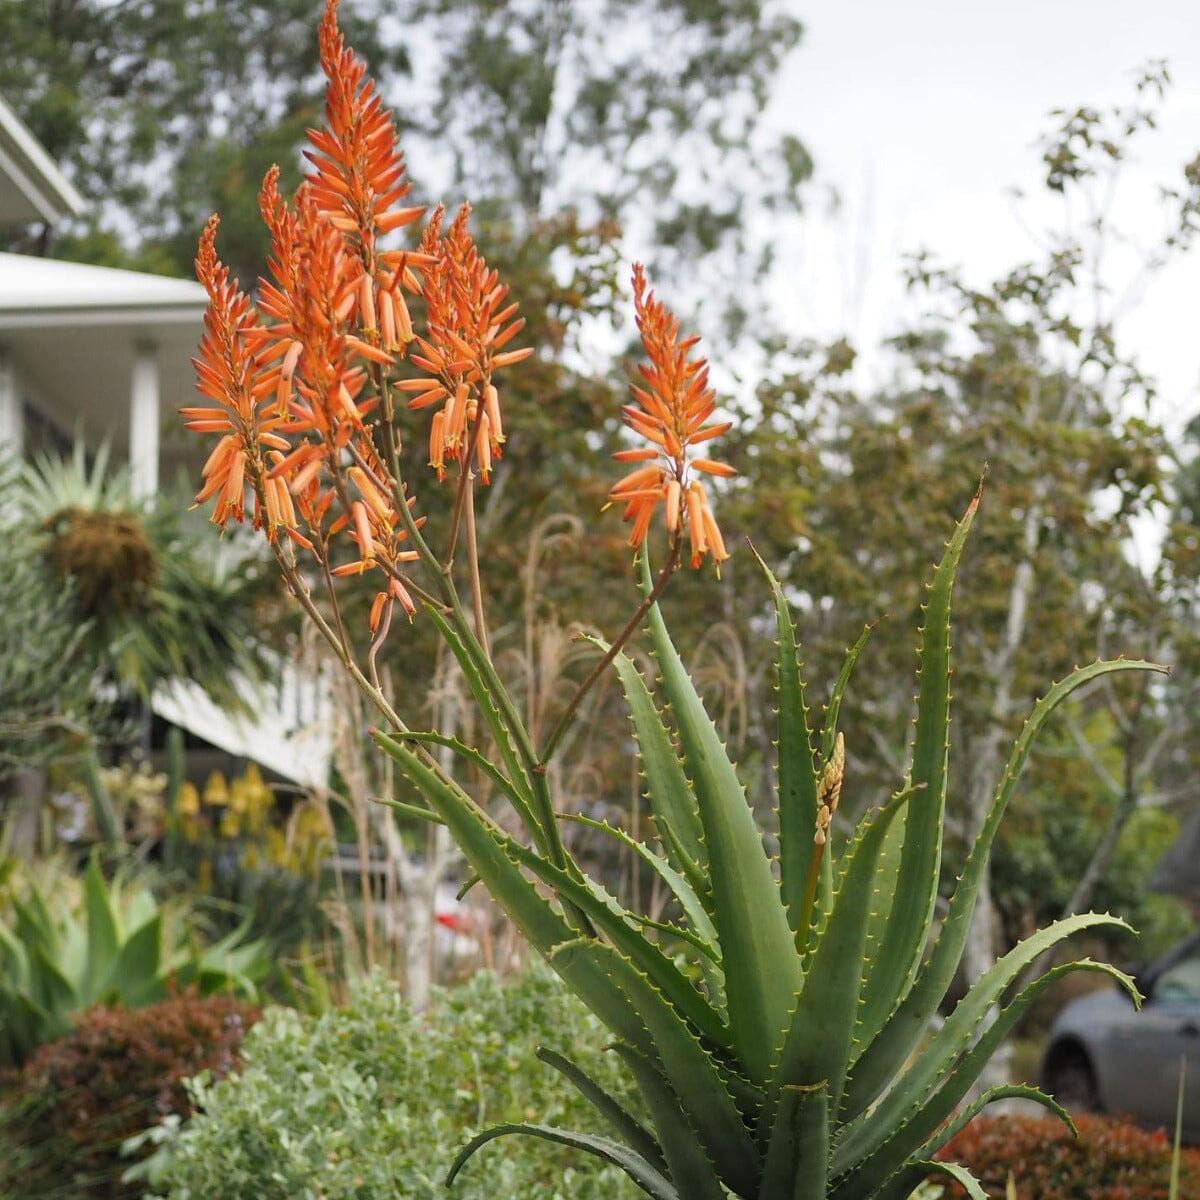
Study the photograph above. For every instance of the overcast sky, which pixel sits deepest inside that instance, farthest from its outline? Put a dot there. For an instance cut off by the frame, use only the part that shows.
(922, 115)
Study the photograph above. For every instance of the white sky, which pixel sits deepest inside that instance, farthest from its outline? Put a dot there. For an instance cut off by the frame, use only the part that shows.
(924, 113)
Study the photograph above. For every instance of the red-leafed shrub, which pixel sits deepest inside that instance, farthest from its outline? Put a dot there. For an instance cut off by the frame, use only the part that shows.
(1110, 1160)
(65, 1114)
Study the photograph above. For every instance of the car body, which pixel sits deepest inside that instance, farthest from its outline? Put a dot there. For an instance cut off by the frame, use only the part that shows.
(1104, 1055)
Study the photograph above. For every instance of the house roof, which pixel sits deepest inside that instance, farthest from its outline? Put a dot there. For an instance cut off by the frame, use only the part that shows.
(39, 292)
(73, 332)
(32, 188)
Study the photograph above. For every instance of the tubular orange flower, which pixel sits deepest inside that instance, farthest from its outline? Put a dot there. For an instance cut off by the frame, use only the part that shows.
(671, 414)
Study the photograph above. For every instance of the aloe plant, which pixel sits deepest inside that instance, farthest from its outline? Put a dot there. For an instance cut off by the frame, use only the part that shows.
(792, 1061)
(54, 963)
(776, 1027)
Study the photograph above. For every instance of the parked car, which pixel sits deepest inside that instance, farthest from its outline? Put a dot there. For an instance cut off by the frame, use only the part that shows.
(1104, 1055)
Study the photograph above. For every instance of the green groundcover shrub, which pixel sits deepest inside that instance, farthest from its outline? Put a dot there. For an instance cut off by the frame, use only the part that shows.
(65, 1114)
(1111, 1160)
(373, 1102)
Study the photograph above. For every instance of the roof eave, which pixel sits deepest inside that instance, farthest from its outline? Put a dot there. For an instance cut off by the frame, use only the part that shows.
(34, 172)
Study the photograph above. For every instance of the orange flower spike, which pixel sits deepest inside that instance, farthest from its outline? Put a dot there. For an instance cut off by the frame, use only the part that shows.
(359, 167)
(670, 415)
(468, 321)
(228, 371)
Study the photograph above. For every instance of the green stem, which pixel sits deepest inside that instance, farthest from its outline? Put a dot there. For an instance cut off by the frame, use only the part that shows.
(810, 895)
(631, 626)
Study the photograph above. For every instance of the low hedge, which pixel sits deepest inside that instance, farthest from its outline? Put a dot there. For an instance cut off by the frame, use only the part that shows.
(66, 1112)
(372, 1102)
(1110, 1160)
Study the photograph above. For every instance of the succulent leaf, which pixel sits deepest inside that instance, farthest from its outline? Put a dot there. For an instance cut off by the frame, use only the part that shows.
(650, 1180)
(869, 1155)
(817, 1046)
(543, 830)
(689, 1168)
(676, 815)
(680, 888)
(633, 1133)
(878, 1061)
(516, 797)
(762, 967)
(796, 1165)
(898, 954)
(797, 771)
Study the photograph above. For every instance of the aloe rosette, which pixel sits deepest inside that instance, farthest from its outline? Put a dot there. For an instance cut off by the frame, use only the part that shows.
(776, 1029)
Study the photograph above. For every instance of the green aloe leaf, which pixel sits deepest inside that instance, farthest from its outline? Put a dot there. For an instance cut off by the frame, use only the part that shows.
(883, 1056)
(894, 962)
(543, 830)
(614, 922)
(797, 770)
(693, 1073)
(894, 1132)
(632, 1132)
(762, 967)
(482, 841)
(703, 928)
(690, 1169)
(797, 1159)
(668, 791)
(1004, 1091)
(817, 1046)
(650, 1180)
(834, 707)
(516, 797)
(905, 1184)
(410, 810)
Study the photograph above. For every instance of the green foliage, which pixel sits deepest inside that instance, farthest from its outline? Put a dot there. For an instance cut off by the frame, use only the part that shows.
(790, 1067)
(67, 1112)
(371, 1101)
(123, 948)
(1109, 1160)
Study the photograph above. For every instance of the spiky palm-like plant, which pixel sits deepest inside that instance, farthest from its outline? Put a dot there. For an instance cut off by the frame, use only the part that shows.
(155, 602)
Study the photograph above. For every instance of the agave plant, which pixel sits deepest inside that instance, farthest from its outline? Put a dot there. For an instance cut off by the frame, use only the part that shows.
(122, 949)
(776, 1027)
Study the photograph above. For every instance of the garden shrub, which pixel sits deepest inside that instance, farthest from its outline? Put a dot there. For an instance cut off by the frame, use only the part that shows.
(1111, 1160)
(67, 1111)
(374, 1101)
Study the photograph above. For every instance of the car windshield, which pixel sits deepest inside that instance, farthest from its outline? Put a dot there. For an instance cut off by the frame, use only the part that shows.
(1180, 981)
